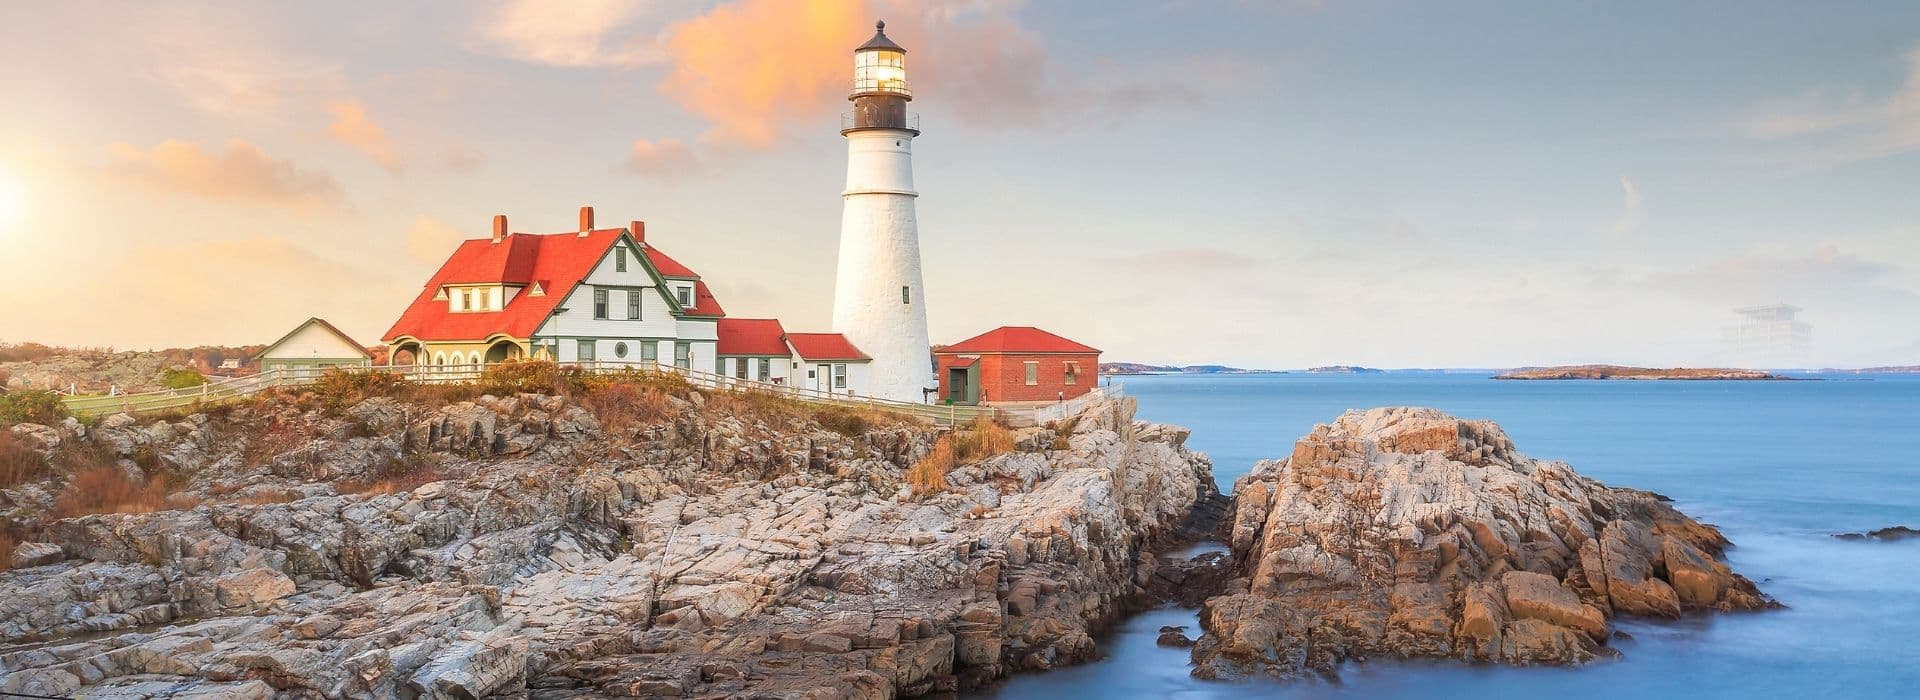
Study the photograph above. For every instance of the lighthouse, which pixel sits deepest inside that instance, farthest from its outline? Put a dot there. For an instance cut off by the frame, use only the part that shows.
(878, 300)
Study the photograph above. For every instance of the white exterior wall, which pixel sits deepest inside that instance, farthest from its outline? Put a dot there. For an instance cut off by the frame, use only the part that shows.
(312, 342)
(656, 325)
(859, 377)
(779, 369)
(879, 255)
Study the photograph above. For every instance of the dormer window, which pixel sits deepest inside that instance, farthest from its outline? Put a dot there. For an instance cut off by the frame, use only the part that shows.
(686, 296)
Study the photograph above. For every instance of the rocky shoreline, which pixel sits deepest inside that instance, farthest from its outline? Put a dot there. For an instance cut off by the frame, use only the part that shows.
(1408, 533)
(1640, 373)
(525, 545)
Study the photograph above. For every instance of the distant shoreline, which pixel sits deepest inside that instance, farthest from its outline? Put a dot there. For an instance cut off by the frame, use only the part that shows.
(1616, 372)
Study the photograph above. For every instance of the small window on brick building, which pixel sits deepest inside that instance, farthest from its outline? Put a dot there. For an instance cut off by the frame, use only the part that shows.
(1073, 373)
(1033, 374)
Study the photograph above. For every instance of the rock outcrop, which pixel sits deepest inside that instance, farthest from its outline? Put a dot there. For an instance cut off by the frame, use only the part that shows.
(717, 551)
(1405, 532)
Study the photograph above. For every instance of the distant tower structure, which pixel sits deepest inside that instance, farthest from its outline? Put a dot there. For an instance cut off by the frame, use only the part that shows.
(878, 301)
(1768, 336)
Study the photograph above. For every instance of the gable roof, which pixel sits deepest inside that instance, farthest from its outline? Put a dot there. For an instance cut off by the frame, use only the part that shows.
(825, 346)
(1017, 339)
(556, 262)
(330, 328)
(752, 336)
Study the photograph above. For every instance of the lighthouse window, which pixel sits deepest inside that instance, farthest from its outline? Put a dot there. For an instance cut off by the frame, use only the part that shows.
(906, 295)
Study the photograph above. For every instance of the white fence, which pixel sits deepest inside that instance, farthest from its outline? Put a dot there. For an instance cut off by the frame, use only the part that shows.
(228, 389)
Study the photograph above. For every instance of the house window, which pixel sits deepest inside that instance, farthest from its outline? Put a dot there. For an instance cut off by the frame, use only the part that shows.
(1073, 373)
(633, 304)
(1033, 373)
(599, 303)
(766, 369)
(649, 351)
(619, 349)
(683, 355)
(619, 259)
(740, 368)
(839, 376)
(906, 294)
(686, 296)
(466, 300)
(585, 351)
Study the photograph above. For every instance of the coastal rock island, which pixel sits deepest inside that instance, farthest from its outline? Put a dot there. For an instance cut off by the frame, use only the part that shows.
(624, 540)
(1406, 532)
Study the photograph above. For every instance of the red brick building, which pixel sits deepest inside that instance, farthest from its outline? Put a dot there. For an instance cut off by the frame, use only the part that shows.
(1016, 364)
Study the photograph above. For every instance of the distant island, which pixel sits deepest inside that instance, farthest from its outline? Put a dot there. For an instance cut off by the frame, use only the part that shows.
(1345, 369)
(1138, 368)
(1904, 369)
(1645, 373)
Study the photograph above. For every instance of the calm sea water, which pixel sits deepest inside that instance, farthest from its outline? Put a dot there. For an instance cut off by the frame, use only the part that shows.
(1779, 466)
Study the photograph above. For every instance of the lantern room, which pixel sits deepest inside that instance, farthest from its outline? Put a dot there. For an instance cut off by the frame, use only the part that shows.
(880, 66)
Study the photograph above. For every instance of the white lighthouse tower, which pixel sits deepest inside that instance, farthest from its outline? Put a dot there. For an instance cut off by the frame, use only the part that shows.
(878, 301)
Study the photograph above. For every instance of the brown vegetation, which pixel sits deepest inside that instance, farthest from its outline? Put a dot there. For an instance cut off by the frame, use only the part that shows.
(929, 475)
(396, 476)
(18, 462)
(984, 439)
(106, 488)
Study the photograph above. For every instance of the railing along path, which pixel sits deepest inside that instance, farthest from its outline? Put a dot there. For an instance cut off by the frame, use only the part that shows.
(219, 391)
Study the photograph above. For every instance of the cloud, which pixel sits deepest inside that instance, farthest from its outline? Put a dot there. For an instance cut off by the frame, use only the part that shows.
(1629, 220)
(754, 68)
(582, 34)
(431, 240)
(464, 160)
(242, 172)
(1837, 124)
(353, 127)
(667, 159)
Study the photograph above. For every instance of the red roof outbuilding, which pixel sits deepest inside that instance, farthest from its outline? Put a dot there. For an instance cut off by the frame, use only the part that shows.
(752, 336)
(1017, 339)
(816, 347)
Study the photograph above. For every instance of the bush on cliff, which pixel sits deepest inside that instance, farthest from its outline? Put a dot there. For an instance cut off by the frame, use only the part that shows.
(31, 406)
(929, 475)
(181, 378)
(18, 463)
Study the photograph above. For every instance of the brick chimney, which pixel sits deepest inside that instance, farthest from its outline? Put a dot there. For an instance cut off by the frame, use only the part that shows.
(639, 230)
(586, 220)
(499, 227)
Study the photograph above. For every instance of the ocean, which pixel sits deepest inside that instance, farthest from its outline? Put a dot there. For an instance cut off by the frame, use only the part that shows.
(1780, 467)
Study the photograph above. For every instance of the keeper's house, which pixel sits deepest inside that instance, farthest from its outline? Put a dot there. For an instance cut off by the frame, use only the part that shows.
(597, 295)
(1016, 364)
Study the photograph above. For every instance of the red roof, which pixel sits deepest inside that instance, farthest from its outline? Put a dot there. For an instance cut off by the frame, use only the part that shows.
(556, 262)
(825, 346)
(1015, 340)
(752, 336)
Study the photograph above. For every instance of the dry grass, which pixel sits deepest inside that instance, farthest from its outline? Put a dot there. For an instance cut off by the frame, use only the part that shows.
(621, 405)
(7, 544)
(1063, 432)
(105, 488)
(929, 475)
(396, 476)
(18, 463)
(983, 440)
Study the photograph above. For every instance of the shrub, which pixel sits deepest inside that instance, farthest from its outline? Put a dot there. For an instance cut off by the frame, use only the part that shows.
(337, 390)
(929, 475)
(621, 405)
(18, 463)
(181, 378)
(844, 421)
(395, 476)
(534, 376)
(985, 439)
(31, 406)
(105, 488)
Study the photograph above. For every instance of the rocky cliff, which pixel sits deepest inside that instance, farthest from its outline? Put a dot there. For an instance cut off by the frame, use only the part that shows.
(1405, 532)
(526, 544)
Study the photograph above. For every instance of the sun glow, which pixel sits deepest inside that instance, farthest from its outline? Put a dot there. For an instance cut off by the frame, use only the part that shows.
(12, 200)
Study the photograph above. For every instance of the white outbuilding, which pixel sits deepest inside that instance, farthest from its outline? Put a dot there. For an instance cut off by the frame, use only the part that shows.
(314, 344)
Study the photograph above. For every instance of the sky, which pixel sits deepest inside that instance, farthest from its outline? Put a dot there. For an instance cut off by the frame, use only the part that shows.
(1270, 184)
